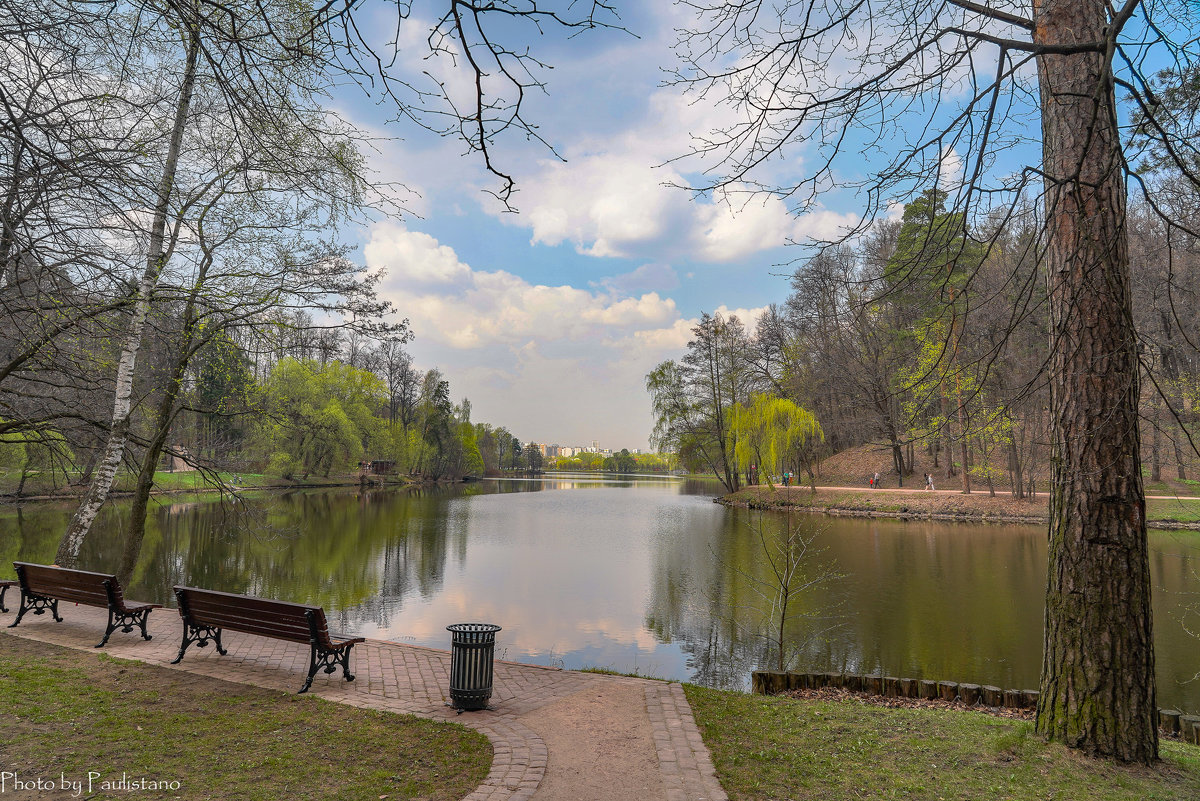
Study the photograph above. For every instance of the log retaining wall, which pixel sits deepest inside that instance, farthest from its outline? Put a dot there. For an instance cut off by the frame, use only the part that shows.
(772, 682)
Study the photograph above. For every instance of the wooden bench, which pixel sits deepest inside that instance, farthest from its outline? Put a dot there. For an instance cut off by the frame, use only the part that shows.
(206, 613)
(4, 585)
(43, 586)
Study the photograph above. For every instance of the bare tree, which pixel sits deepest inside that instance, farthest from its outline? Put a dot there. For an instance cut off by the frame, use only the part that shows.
(942, 90)
(255, 61)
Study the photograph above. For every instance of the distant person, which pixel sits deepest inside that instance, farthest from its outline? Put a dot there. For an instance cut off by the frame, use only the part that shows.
(875, 482)
(929, 481)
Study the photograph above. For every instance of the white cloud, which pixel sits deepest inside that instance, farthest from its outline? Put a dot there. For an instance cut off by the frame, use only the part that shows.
(554, 362)
(449, 302)
(653, 276)
(621, 197)
(950, 170)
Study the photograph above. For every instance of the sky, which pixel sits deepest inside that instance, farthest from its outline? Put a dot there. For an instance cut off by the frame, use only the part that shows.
(549, 319)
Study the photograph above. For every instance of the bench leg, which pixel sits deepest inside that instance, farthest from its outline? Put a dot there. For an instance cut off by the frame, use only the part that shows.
(201, 635)
(37, 604)
(328, 661)
(3, 590)
(313, 663)
(125, 621)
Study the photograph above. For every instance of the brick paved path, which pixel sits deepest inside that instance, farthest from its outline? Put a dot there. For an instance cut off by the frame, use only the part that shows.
(415, 680)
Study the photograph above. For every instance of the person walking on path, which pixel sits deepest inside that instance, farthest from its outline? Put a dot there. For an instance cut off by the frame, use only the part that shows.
(875, 481)
(929, 482)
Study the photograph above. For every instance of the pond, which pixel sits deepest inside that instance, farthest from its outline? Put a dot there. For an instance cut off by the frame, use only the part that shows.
(640, 574)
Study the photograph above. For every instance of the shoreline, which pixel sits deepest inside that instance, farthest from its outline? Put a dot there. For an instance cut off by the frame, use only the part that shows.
(948, 506)
(240, 488)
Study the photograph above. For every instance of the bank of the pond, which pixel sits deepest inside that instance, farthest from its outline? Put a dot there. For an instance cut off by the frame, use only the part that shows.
(767, 748)
(181, 483)
(940, 505)
(69, 715)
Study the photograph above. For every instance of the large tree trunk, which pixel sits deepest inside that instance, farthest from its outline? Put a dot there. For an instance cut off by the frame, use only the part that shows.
(1097, 687)
(106, 473)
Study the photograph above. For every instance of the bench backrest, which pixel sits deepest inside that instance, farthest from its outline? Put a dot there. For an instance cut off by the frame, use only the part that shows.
(270, 618)
(79, 586)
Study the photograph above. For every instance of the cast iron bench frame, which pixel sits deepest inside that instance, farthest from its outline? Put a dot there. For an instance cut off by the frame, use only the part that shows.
(43, 586)
(4, 585)
(206, 613)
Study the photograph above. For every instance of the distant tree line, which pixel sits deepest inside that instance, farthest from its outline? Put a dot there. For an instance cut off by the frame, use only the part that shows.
(929, 337)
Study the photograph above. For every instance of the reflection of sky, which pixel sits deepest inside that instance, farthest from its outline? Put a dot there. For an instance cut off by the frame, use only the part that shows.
(565, 572)
(634, 575)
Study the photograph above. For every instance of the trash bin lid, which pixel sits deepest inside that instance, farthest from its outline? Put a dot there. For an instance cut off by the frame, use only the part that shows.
(473, 628)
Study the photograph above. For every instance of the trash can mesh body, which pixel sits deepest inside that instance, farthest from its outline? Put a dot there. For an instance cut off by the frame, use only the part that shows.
(472, 650)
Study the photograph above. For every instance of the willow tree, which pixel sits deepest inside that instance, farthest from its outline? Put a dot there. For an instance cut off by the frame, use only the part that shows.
(770, 431)
(959, 92)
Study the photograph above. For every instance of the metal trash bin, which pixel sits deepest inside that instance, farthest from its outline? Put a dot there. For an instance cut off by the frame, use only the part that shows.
(472, 649)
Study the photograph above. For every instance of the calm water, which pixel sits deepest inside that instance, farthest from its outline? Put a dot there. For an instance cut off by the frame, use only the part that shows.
(646, 574)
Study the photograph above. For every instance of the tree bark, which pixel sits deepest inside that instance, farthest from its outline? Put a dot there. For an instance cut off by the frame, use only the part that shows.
(106, 473)
(1097, 686)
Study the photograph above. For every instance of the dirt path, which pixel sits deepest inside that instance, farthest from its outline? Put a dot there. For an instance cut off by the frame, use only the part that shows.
(600, 746)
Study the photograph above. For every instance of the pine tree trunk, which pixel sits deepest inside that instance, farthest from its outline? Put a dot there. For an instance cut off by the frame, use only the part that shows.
(1097, 686)
(106, 473)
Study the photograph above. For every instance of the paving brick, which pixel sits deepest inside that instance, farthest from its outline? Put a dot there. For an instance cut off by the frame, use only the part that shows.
(398, 677)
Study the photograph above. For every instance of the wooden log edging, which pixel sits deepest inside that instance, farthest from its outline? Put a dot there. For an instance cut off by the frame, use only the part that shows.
(772, 682)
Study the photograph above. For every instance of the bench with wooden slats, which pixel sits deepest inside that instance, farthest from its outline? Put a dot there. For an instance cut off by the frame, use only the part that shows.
(206, 613)
(43, 586)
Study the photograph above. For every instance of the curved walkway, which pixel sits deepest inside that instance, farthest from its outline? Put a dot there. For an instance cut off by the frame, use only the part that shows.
(557, 735)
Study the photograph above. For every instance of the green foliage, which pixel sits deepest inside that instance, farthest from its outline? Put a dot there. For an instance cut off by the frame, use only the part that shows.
(320, 417)
(769, 431)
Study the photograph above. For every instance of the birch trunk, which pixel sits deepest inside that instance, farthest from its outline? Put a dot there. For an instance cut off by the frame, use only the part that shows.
(114, 450)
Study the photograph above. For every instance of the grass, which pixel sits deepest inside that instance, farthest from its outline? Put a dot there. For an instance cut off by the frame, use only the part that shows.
(1185, 510)
(636, 673)
(67, 713)
(770, 748)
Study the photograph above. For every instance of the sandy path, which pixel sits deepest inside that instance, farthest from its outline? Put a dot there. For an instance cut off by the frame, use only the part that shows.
(600, 746)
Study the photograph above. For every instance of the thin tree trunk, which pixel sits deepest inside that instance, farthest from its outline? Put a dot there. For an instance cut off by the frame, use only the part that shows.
(1014, 461)
(1155, 440)
(1097, 685)
(132, 547)
(947, 443)
(963, 439)
(106, 473)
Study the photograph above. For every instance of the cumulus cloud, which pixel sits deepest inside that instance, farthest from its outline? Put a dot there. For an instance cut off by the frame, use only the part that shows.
(449, 302)
(555, 361)
(621, 197)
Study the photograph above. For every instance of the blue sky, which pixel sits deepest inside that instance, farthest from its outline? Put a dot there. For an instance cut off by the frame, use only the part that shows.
(549, 319)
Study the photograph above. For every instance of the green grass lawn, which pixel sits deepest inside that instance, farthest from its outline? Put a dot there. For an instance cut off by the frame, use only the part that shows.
(771, 748)
(67, 713)
(1185, 510)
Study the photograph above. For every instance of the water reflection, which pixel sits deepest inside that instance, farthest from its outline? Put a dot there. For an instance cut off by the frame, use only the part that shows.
(627, 572)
